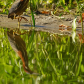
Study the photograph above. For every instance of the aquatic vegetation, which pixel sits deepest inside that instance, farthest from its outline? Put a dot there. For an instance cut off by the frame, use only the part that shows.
(55, 57)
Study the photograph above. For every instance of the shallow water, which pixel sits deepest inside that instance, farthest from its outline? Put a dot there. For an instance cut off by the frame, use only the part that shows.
(55, 57)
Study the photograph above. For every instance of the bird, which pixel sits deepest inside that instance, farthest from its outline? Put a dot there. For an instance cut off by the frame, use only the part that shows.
(19, 46)
(18, 7)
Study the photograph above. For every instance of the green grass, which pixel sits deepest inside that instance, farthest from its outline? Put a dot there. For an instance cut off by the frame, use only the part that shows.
(36, 4)
(56, 58)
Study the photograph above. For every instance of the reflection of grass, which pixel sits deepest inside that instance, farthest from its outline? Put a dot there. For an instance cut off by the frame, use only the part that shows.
(56, 57)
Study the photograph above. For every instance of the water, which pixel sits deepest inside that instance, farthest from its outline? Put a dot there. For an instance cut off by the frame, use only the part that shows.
(56, 58)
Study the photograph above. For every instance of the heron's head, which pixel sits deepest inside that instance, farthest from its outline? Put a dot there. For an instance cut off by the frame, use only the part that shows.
(10, 16)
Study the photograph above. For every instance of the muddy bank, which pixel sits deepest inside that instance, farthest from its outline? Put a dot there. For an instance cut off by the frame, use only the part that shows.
(48, 23)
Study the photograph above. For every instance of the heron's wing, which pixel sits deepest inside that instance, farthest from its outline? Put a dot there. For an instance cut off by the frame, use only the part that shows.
(15, 6)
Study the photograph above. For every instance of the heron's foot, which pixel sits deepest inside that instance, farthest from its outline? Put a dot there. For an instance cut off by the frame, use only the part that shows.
(23, 18)
(20, 17)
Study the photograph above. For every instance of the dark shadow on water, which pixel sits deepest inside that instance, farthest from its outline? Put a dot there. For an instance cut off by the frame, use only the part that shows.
(25, 15)
(26, 25)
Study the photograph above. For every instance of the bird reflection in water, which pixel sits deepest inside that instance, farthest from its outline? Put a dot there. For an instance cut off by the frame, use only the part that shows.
(19, 47)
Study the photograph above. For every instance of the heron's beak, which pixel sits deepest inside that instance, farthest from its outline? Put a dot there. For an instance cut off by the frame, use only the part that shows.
(28, 71)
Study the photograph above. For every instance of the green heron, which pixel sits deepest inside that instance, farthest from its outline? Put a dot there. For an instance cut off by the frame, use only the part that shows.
(18, 7)
(19, 47)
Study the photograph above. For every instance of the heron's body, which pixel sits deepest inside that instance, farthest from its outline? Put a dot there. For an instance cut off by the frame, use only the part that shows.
(18, 7)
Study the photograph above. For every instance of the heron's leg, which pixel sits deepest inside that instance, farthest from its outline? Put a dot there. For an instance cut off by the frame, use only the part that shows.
(20, 17)
(14, 16)
(18, 23)
(23, 18)
(18, 30)
(18, 20)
